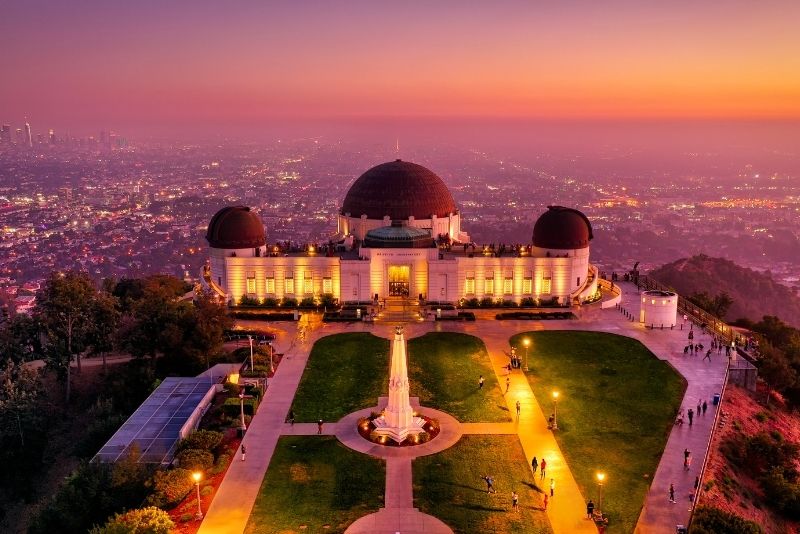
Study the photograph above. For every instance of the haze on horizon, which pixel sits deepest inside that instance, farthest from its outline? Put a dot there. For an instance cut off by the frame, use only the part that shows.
(215, 68)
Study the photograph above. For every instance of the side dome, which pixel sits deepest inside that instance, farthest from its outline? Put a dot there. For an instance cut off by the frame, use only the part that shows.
(235, 227)
(562, 228)
(400, 190)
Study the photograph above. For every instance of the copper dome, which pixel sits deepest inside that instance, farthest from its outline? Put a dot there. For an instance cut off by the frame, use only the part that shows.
(235, 227)
(562, 228)
(400, 190)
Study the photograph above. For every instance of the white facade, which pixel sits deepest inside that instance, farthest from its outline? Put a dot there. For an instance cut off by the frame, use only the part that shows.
(358, 226)
(429, 273)
(659, 308)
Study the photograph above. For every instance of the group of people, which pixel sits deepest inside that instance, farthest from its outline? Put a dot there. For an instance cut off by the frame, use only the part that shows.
(700, 409)
(516, 362)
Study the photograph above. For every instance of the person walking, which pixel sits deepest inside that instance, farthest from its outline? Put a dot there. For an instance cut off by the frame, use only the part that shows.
(518, 407)
(704, 407)
(534, 465)
(480, 382)
(543, 466)
(708, 355)
(489, 483)
(544, 503)
(686, 460)
(244, 451)
(672, 493)
(291, 417)
(319, 426)
(589, 509)
(697, 411)
(514, 501)
(690, 413)
(552, 487)
(508, 383)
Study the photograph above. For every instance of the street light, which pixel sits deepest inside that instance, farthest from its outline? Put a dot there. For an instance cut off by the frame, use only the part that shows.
(555, 410)
(197, 475)
(251, 352)
(600, 478)
(526, 342)
(241, 408)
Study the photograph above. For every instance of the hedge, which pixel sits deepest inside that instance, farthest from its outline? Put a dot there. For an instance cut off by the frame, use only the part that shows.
(170, 487)
(195, 459)
(231, 407)
(206, 440)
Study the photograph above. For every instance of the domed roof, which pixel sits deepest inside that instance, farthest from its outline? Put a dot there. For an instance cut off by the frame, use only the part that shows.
(562, 228)
(398, 236)
(235, 227)
(400, 190)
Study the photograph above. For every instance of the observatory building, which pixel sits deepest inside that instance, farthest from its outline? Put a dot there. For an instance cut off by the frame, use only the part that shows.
(399, 237)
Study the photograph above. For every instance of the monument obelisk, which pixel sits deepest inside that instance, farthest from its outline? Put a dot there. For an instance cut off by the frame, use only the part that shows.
(398, 420)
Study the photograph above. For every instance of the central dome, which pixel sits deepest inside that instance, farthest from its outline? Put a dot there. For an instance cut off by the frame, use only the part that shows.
(398, 189)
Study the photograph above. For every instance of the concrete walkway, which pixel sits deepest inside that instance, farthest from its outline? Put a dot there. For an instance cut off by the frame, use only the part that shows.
(233, 503)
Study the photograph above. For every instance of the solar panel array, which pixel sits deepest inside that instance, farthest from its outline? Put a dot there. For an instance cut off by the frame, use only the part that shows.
(156, 425)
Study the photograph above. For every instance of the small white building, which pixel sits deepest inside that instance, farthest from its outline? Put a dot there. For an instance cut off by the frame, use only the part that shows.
(659, 309)
(399, 237)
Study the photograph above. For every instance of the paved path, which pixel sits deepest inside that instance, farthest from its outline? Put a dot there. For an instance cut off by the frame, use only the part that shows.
(231, 507)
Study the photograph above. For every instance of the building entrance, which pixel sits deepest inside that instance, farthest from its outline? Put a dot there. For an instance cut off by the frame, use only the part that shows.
(398, 280)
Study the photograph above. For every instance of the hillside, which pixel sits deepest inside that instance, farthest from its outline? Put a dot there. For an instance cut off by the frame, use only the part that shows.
(754, 294)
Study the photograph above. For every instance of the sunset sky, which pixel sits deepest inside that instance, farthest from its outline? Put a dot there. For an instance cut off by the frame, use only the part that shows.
(140, 62)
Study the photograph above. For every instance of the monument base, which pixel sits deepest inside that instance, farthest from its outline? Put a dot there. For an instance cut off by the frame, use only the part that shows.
(398, 435)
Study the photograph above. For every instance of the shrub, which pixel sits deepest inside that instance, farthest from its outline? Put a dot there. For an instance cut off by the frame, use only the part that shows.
(307, 302)
(289, 302)
(327, 300)
(472, 303)
(150, 520)
(170, 487)
(782, 494)
(248, 301)
(269, 302)
(195, 459)
(231, 407)
(221, 465)
(97, 433)
(487, 302)
(528, 302)
(206, 440)
(509, 304)
(761, 417)
(707, 520)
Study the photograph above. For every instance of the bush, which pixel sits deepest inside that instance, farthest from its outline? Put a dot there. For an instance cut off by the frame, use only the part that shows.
(307, 302)
(782, 494)
(231, 407)
(707, 520)
(269, 302)
(248, 301)
(206, 440)
(487, 302)
(327, 300)
(150, 520)
(528, 302)
(97, 434)
(509, 304)
(221, 465)
(472, 303)
(195, 459)
(289, 302)
(170, 487)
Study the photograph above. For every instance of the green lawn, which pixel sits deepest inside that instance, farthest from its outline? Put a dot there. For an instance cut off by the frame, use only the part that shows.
(313, 482)
(443, 370)
(448, 485)
(616, 407)
(345, 372)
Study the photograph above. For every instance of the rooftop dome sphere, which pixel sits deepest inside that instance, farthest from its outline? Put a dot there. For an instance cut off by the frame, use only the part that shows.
(235, 227)
(398, 189)
(562, 228)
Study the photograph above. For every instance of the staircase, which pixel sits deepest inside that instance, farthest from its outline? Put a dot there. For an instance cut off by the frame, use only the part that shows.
(399, 310)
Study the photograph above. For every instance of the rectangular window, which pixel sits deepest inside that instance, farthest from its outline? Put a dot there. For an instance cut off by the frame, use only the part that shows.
(270, 285)
(308, 284)
(251, 283)
(469, 286)
(489, 287)
(327, 285)
(290, 286)
(527, 285)
(579, 281)
(547, 285)
(508, 285)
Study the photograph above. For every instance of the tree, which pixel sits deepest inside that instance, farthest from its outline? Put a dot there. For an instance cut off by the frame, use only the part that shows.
(64, 311)
(19, 339)
(708, 520)
(775, 369)
(150, 520)
(105, 318)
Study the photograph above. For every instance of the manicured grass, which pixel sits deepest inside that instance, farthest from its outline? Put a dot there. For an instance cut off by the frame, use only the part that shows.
(345, 372)
(316, 481)
(616, 407)
(443, 369)
(448, 485)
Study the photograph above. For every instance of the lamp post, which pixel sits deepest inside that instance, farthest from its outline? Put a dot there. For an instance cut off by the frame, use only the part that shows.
(241, 409)
(197, 476)
(555, 410)
(271, 365)
(249, 337)
(600, 478)
(527, 343)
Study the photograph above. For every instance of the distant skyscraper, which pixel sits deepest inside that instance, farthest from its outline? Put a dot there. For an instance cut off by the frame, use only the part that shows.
(28, 138)
(52, 136)
(20, 137)
(5, 134)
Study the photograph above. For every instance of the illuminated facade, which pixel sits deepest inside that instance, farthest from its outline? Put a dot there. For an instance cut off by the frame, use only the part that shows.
(399, 236)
